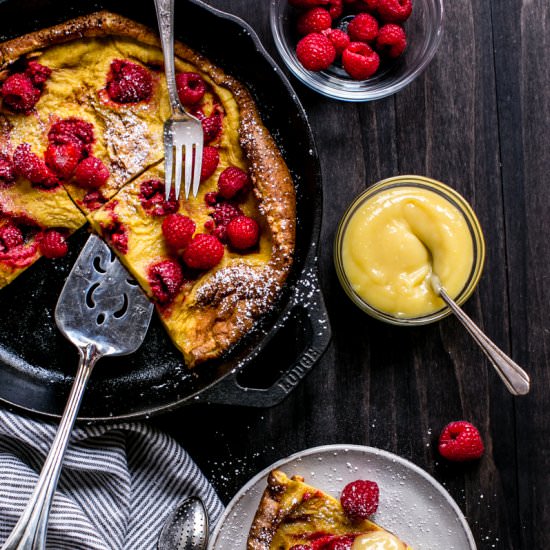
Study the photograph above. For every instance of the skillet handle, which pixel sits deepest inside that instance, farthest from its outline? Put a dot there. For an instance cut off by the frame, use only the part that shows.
(309, 299)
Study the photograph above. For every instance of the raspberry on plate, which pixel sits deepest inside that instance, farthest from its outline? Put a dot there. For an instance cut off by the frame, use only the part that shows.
(391, 40)
(191, 88)
(91, 173)
(63, 159)
(231, 181)
(340, 39)
(313, 20)
(178, 230)
(243, 232)
(363, 28)
(203, 252)
(210, 161)
(360, 60)
(165, 279)
(52, 244)
(315, 52)
(129, 82)
(19, 93)
(394, 11)
(360, 499)
(460, 441)
(32, 167)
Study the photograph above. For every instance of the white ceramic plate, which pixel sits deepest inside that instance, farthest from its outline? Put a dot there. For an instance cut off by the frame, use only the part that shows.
(413, 505)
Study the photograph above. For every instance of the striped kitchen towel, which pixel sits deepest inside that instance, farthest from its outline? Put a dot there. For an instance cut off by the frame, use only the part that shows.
(119, 483)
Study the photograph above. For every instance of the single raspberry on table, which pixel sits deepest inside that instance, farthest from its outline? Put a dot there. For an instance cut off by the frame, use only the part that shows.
(91, 173)
(460, 441)
(52, 244)
(211, 127)
(224, 212)
(313, 20)
(394, 11)
(63, 159)
(129, 82)
(178, 230)
(73, 130)
(37, 73)
(363, 28)
(391, 40)
(315, 52)
(10, 237)
(360, 60)
(340, 39)
(191, 88)
(243, 232)
(203, 252)
(308, 3)
(7, 172)
(336, 8)
(210, 161)
(231, 181)
(360, 499)
(165, 279)
(152, 197)
(19, 93)
(32, 167)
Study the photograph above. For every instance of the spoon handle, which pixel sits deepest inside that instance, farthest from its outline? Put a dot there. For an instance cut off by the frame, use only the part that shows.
(516, 379)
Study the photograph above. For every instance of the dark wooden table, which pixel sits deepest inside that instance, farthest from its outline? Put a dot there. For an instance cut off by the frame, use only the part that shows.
(476, 119)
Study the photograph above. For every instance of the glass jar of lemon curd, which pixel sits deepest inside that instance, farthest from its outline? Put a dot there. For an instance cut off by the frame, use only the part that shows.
(394, 236)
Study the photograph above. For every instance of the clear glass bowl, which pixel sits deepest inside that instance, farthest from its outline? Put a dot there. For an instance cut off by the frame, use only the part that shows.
(424, 30)
(458, 202)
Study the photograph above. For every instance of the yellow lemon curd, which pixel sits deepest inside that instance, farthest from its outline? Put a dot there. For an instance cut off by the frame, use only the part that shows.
(378, 541)
(393, 243)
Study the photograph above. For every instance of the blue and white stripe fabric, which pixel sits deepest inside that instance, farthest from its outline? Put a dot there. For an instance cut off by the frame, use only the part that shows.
(119, 483)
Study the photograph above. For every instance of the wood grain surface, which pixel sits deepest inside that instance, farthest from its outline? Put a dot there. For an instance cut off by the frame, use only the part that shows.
(476, 119)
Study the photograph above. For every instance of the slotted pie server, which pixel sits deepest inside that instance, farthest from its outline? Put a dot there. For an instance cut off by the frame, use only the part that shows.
(102, 311)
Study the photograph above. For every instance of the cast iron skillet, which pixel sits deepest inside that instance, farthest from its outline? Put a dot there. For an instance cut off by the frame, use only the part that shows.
(37, 363)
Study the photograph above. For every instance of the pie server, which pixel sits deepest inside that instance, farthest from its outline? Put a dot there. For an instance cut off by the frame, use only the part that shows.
(102, 311)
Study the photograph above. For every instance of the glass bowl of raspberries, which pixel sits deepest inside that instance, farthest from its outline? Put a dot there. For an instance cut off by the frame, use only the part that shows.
(357, 50)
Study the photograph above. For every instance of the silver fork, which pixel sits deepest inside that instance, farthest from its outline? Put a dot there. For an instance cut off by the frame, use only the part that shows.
(103, 312)
(183, 135)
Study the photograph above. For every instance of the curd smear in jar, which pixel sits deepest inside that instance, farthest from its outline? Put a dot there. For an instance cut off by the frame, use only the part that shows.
(393, 242)
(377, 541)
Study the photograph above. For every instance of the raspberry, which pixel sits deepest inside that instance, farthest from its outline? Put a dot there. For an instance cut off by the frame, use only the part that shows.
(333, 542)
(210, 161)
(301, 547)
(63, 159)
(340, 39)
(225, 212)
(19, 93)
(10, 237)
(203, 252)
(211, 198)
(243, 232)
(360, 60)
(91, 173)
(394, 11)
(178, 230)
(94, 200)
(308, 3)
(363, 28)
(152, 197)
(460, 441)
(53, 244)
(72, 130)
(336, 8)
(366, 5)
(360, 499)
(7, 173)
(191, 88)
(32, 167)
(117, 234)
(391, 40)
(211, 127)
(165, 279)
(37, 73)
(313, 20)
(315, 52)
(129, 82)
(231, 181)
